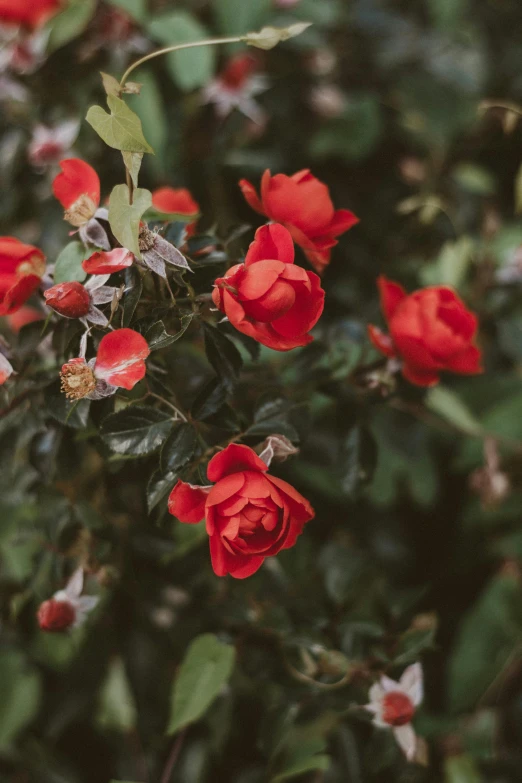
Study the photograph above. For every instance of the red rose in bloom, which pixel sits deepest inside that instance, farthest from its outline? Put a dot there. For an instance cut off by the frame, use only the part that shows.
(56, 615)
(268, 297)
(69, 299)
(249, 514)
(302, 203)
(77, 188)
(118, 364)
(176, 201)
(29, 13)
(106, 263)
(430, 330)
(21, 269)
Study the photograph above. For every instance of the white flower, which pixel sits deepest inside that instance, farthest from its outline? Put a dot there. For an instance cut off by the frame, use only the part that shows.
(6, 369)
(236, 87)
(50, 145)
(72, 594)
(393, 705)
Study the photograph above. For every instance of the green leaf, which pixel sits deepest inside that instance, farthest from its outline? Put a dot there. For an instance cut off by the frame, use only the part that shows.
(134, 287)
(354, 135)
(125, 218)
(117, 708)
(318, 762)
(179, 447)
(271, 416)
(121, 129)
(158, 337)
(192, 68)
(19, 696)
(209, 400)
(70, 23)
(450, 407)
(412, 643)
(358, 459)
(150, 108)
(158, 487)
(452, 264)
(136, 430)
(237, 17)
(73, 413)
(110, 85)
(135, 8)
(222, 355)
(269, 37)
(68, 266)
(132, 162)
(206, 667)
(461, 769)
(474, 179)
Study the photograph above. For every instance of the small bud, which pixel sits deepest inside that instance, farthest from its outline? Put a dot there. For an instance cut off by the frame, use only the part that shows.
(69, 299)
(132, 88)
(268, 37)
(56, 615)
(276, 447)
(77, 379)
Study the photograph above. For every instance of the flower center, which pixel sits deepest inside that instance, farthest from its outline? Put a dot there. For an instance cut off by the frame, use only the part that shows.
(146, 239)
(77, 380)
(81, 211)
(397, 709)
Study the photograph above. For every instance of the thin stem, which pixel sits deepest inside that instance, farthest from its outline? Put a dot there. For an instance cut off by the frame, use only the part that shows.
(179, 414)
(176, 48)
(173, 757)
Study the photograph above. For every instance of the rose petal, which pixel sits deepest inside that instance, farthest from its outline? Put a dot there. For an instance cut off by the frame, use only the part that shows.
(233, 459)
(187, 502)
(120, 358)
(104, 263)
(77, 179)
(274, 242)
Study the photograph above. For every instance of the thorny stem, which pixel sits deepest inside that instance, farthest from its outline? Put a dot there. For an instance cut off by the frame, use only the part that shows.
(176, 48)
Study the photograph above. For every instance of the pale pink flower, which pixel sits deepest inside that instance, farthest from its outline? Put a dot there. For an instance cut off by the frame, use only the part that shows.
(50, 144)
(235, 88)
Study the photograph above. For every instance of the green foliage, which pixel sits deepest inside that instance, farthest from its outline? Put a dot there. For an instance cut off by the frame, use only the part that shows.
(70, 23)
(68, 266)
(191, 68)
(136, 430)
(125, 217)
(121, 129)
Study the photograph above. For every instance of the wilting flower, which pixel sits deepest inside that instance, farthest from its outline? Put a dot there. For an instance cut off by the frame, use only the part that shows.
(28, 13)
(268, 297)
(249, 514)
(430, 330)
(77, 188)
(303, 205)
(21, 269)
(67, 608)
(6, 369)
(394, 704)
(119, 363)
(156, 251)
(49, 145)
(236, 86)
(74, 300)
(176, 201)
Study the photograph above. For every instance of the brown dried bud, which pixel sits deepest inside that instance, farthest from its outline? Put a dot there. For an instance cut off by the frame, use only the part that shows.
(81, 211)
(77, 379)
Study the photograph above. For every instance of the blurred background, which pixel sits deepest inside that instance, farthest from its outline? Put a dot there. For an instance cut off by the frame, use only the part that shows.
(409, 111)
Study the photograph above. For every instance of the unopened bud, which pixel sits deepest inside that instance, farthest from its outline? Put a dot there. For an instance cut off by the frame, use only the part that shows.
(55, 616)
(69, 299)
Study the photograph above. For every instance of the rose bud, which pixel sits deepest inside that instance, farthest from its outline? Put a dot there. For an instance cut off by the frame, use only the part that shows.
(67, 608)
(249, 514)
(431, 330)
(69, 299)
(268, 297)
(303, 205)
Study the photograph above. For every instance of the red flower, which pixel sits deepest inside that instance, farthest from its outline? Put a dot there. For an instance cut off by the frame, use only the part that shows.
(302, 203)
(268, 297)
(77, 188)
(29, 13)
(176, 201)
(430, 330)
(22, 317)
(106, 263)
(69, 299)
(56, 615)
(119, 363)
(238, 69)
(21, 269)
(249, 514)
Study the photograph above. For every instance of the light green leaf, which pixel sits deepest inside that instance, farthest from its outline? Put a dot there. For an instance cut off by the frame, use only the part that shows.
(475, 179)
(149, 107)
(206, 667)
(191, 68)
(121, 129)
(19, 696)
(132, 161)
(450, 407)
(117, 709)
(237, 17)
(124, 217)
(269, 37)
(318, 762)
(461, 769)
(452, 264)
(110, 85)
(68, 265)
(135, 8)
(70, 23)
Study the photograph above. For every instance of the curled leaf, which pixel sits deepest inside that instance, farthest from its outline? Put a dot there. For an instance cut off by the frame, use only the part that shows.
(268, 37)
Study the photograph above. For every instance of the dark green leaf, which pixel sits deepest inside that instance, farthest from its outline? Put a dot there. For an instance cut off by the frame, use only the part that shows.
(136, 430)
(158, 337)
(159, 486)
(73, 413)
(210, 400)
(358, 459)
(70, 23)
(222, 355)
(134, 284)
(235, 17)
(206, 667)
(19, 696)
(179, 448)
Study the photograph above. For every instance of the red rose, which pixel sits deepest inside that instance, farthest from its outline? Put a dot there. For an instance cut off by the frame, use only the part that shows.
(249, 514)
(302, 203)
(430, 330)
(21, 269)
(176, 201)
(69, 299)
(77, 188)
(29, 13)
(268, 297)
(55, 615)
